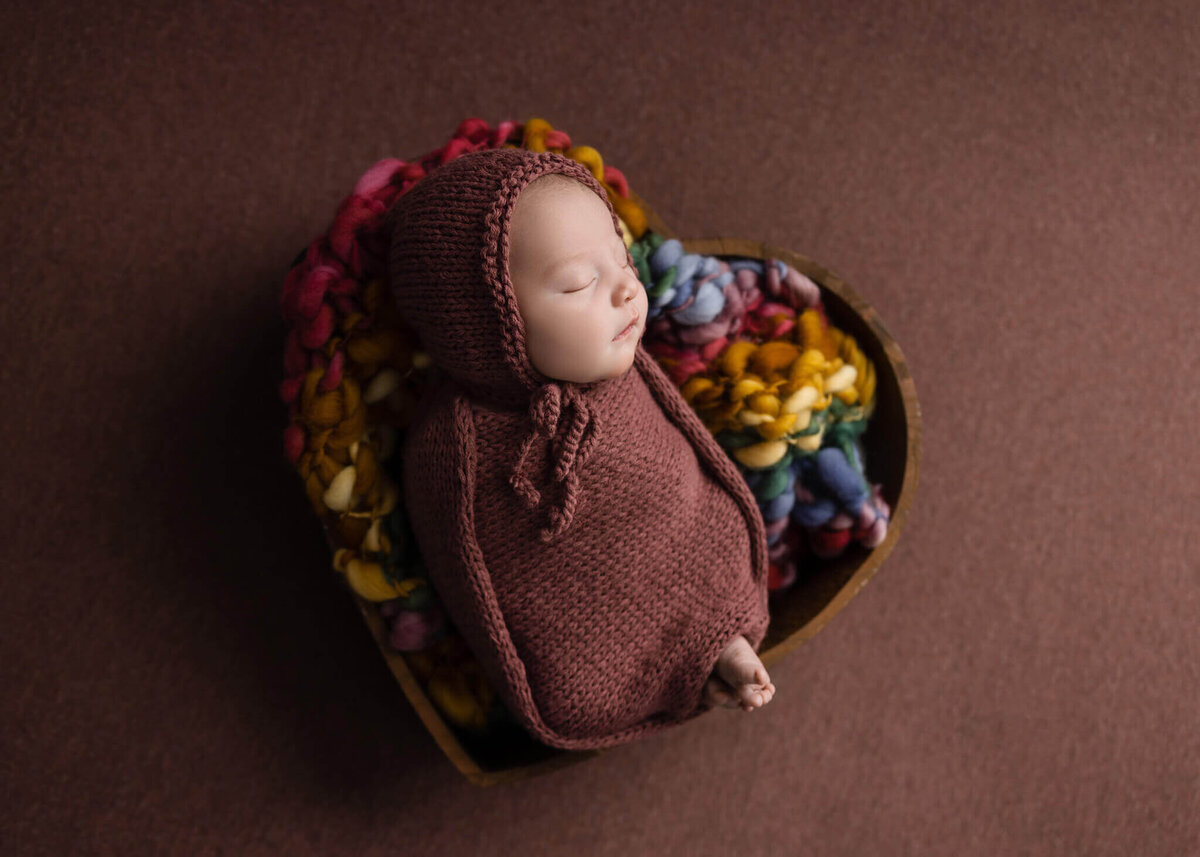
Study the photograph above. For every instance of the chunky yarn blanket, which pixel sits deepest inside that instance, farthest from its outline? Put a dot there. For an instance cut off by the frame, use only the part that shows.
(746, 341)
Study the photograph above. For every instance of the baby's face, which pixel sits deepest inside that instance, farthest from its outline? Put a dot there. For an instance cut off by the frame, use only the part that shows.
(574, 285)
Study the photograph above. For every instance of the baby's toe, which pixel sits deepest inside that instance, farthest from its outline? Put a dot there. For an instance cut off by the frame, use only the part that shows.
(750, 697)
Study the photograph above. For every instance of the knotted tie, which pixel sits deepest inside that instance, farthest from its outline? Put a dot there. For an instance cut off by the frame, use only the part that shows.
(563, 416)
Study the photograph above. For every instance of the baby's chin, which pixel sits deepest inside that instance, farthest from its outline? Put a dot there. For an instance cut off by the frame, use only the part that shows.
(617, 363)
(623, 365)
(608, 374)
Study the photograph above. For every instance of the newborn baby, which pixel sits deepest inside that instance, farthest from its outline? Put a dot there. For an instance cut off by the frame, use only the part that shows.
(594, 545)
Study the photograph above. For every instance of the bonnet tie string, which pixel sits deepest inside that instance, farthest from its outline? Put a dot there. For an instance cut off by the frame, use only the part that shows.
(563, 416)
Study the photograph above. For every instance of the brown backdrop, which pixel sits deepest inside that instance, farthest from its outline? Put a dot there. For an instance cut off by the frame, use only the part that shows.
(1013, 186)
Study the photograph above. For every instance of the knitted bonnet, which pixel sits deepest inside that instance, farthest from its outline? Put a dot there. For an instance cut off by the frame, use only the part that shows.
(594, 545)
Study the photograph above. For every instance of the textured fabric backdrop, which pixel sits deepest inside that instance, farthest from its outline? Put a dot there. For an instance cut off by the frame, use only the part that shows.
(1013, 185)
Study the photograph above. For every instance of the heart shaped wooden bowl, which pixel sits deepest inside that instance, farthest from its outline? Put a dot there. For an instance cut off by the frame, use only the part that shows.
(337, 453)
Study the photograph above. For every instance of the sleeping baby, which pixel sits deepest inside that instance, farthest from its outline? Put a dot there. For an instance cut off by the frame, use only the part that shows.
(596, 548)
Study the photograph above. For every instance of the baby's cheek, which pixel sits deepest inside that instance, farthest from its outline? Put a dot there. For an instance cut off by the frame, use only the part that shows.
(548, 328)
(579, 328)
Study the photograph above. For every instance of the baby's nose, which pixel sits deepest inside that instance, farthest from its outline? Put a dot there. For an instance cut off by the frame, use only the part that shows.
(626, 289)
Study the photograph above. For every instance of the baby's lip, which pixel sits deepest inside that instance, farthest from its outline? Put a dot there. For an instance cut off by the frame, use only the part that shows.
(632, 323)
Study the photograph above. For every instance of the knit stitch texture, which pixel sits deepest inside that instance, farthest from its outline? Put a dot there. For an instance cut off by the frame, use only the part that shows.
(593, 543)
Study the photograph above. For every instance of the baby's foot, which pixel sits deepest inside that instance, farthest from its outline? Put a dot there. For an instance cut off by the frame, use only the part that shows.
(739, 679)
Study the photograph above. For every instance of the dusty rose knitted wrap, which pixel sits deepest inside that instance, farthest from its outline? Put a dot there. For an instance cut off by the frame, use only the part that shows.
(593, 544)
